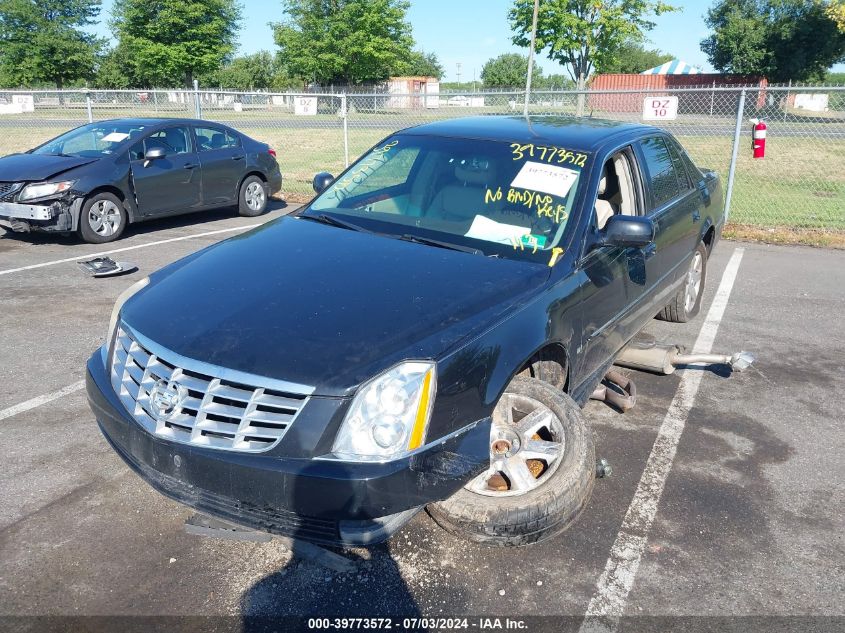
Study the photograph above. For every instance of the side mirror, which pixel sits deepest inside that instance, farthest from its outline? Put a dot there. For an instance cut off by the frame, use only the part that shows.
(154, 152)
(627, 231)
(322, 181)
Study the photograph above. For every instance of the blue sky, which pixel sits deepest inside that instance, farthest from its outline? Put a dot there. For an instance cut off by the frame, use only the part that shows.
(470, 32)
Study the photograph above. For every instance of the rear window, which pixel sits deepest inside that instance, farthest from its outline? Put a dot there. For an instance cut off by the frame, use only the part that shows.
(212, 138)
(661, 172)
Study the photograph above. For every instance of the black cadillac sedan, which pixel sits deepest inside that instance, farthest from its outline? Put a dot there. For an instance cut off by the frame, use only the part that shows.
(97, 178)
(420, 335)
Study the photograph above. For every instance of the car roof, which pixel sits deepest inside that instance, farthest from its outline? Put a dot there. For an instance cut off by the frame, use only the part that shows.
(585, 133)
(155, 121)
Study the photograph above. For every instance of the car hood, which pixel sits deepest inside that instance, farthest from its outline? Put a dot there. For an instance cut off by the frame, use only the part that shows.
(17, 167)
(324, 306)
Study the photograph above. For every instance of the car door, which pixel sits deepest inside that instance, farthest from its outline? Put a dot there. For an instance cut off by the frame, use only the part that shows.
(171, 183)
(223, 160)
(673, 207)
(604, 272)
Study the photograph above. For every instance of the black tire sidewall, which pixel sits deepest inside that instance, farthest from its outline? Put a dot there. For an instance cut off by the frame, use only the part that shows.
(543, 512)
(243, 208)
(84, 229)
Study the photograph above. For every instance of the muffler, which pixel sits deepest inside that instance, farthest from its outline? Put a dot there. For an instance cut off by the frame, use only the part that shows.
(664, 359)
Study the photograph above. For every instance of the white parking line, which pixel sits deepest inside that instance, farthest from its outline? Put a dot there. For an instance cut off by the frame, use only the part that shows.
(127, 248)
(39, 400)
(614, 585)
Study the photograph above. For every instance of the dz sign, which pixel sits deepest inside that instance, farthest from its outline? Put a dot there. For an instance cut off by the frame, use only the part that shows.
(660, 108)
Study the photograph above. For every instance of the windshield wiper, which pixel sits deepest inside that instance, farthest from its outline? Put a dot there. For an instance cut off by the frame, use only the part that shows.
(332, 221)
(430, 242)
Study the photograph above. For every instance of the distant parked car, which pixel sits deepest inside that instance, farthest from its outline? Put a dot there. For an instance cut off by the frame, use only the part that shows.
(96, 179)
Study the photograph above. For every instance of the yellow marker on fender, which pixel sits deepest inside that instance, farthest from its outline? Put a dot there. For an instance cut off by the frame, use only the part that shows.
(557, 251)
(422, 413)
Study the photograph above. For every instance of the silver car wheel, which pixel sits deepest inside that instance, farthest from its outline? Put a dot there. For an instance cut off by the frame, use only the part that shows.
(104, 218)
(526, 446)
(693, 281)
(254, 196)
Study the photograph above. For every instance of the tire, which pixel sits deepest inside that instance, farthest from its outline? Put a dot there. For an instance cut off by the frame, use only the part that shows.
(252, 197)
(561, 488)
(102, 218)
(686, 304)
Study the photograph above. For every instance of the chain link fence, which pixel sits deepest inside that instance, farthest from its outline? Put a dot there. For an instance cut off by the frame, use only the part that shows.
(799, 186)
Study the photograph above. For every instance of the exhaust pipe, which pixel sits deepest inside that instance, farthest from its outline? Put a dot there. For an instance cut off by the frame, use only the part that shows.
(664, 359)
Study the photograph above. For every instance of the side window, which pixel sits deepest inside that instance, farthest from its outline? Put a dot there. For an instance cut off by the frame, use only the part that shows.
(174, 140)
(681, 172)
(661, 173)
(211, 138)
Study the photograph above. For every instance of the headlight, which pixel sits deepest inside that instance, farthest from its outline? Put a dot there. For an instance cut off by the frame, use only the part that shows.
(121, 299)
(45, 189)
(389, 415)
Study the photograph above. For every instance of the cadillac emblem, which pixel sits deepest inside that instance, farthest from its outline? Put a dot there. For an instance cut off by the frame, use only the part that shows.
(167, 398)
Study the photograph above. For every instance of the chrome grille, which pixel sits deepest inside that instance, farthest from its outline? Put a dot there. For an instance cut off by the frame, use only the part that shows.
(8, 190)
(220, 408)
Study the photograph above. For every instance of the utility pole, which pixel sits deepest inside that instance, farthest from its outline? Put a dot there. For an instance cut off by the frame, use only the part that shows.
(531, 57)
(459, 71)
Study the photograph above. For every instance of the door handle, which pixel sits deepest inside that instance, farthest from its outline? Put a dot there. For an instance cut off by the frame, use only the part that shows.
(238, 157)
(189, 165)
(649, 251)
(696, 216)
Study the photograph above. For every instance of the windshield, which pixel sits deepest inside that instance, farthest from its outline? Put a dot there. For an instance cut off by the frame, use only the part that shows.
(93, 140)
(507, 199)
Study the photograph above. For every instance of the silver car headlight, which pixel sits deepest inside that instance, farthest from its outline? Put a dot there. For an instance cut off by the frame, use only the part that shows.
(122, 298)
(45, 189)
(389, 415)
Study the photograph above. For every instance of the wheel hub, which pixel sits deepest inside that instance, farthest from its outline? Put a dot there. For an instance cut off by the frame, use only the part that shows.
(526, 445)
(504, 443)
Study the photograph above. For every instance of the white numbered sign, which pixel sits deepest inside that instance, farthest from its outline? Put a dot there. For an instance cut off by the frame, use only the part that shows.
(660, 108)
(306, 106)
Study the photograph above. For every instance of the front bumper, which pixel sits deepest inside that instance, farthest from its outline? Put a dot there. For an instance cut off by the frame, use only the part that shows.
(324, 501)
(55, 215)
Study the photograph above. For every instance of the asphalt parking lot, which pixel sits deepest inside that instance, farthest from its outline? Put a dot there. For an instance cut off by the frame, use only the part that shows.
(736, 510)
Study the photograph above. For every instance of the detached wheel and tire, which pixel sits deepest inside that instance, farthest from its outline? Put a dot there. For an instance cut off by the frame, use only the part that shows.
(541, 474)
(252, 199)
(686, 304)
(102, 218)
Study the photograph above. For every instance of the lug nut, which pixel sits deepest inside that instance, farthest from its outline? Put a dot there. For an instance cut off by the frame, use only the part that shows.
(500, 447)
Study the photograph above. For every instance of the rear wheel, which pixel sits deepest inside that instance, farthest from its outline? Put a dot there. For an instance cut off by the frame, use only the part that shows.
(102, 218)
(542, 468)
(252, 199)
(686, 304)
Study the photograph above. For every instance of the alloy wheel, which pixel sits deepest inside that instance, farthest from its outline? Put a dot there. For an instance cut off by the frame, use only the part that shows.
(526, 447)
(693, 286)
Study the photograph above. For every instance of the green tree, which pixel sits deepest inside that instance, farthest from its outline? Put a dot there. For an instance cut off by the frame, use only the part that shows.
(509, 70)
(635, 58)
(344, 41)
(584, 35)
(43, 41)
(168, 42)
(424, 65)
(780, 39)
(248, 72)
(553, 82)
(111, 70)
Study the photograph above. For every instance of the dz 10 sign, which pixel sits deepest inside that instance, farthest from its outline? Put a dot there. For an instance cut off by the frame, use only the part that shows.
(660, 108)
